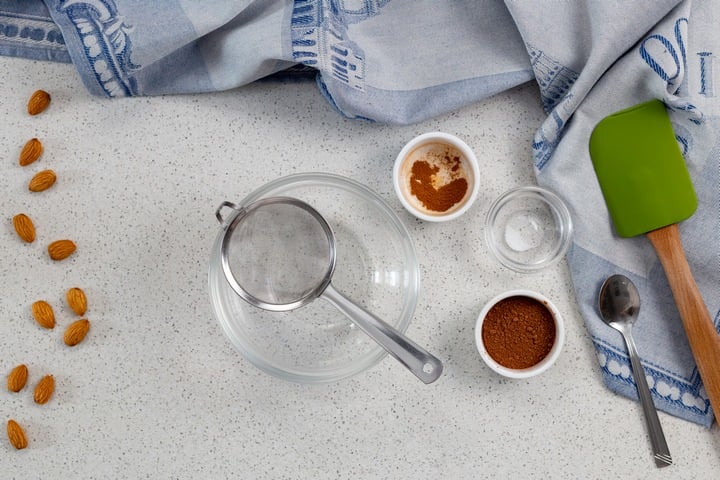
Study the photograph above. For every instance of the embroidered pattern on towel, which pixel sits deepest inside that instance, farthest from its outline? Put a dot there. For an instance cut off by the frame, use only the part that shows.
(30, 31)
(681, 394)
(106, 43)
(553, 78)
(319, 37)
(555, 81)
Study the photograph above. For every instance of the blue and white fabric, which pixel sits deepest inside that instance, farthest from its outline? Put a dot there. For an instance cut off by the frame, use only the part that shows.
(403, 61)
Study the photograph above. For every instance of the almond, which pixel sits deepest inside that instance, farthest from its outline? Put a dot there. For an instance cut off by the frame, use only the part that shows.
(24, 227)
(18, 378)
(43, 313)
(44, 389)
(16, 435)
(61, 249)
(76, 332)
(30, 152)
(77, 301)
(38, 102)
(42, 181)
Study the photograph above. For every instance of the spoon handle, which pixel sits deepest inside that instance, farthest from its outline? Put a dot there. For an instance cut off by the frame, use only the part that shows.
(657, 437)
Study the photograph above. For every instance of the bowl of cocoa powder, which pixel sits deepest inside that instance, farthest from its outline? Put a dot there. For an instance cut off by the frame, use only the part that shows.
(519, 334)
(436, 177)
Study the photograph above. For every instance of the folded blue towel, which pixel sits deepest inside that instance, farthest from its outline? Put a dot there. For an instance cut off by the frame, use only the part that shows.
(404, 61)
(599, 59)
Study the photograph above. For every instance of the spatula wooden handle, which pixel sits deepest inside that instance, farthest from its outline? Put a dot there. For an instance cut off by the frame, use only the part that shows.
(699, 328)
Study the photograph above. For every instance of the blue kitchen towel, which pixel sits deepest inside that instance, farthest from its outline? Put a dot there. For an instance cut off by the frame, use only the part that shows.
(603, 57)
(403, 61)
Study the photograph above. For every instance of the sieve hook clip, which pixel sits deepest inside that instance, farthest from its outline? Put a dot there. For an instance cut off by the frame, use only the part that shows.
(225, 204)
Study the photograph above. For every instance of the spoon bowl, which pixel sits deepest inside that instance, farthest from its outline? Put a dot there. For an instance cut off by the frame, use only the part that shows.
(619, 304)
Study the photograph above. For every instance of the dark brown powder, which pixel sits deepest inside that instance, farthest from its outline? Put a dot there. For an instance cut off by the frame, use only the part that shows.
(518, 332)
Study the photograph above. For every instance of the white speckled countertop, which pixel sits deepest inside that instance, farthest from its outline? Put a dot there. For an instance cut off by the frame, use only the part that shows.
(157, 391)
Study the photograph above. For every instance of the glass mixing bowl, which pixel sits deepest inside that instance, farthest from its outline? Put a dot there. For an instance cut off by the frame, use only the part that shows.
(376, 267)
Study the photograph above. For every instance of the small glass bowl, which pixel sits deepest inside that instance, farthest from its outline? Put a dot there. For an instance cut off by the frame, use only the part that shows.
(528, 229)
(539, 367)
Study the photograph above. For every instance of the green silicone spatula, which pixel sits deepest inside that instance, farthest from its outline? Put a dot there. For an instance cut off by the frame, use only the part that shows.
(648, 190)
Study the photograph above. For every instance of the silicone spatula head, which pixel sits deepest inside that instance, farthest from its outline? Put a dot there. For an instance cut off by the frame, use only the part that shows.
(641, 170)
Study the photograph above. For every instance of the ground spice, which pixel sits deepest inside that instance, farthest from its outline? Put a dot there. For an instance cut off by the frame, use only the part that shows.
(518, 332)
(439, 184)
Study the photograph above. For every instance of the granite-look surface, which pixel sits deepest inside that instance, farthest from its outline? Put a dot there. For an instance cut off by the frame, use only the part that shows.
(157, 391)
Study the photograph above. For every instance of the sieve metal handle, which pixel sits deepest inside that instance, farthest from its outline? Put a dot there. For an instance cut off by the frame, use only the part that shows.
(225, 204)
(421, 363)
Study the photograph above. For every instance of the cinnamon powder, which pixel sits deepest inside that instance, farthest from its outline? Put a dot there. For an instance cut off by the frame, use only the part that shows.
(518, 332)
(439, 182)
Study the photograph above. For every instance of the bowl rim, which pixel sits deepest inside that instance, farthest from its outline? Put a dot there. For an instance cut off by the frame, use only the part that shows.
(539, 367)
(560, 211)
(467, 152)
(322, 375)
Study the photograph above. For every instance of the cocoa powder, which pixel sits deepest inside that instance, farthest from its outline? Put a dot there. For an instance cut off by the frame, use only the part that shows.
(518, 332)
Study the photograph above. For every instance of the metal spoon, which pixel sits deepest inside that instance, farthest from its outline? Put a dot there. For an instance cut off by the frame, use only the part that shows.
(619, 303)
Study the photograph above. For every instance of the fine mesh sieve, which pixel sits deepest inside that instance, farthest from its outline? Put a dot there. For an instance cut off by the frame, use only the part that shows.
(279, 254)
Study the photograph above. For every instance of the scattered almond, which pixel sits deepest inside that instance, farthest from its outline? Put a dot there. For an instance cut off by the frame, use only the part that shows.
(44, 389)
(24, 227)
(18, 378)
(16, 435)
(61, 249)
(43, 313)
(42, 181)
(30, 152)
(77, 301)
(76, 332)
(38, 102)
